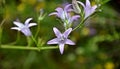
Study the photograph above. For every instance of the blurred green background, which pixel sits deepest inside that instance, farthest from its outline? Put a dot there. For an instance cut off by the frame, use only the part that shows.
(97, 43)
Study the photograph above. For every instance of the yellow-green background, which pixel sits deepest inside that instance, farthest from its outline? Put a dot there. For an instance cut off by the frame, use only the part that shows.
(99, 49)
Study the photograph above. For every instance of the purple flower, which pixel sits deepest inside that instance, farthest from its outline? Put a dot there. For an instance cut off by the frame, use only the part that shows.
(24, 28)
(65, 16)
(61, 39)
(88, 9)
(62, 13)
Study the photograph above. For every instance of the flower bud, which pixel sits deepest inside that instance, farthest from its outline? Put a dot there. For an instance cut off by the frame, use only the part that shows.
(76, 6)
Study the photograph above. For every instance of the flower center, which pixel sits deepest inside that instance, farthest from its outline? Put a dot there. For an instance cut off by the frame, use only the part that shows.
(62, 39)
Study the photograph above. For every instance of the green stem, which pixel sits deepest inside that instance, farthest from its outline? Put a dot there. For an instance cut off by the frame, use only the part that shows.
(1, 30)
(29, 41)
(38, 28)
(18, 37)
(0, 36)
(27, 48)
(34, 40)
(79, 25)
(2, 22)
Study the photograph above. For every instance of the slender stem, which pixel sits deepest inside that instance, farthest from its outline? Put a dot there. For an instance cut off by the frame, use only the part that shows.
(79, 25)
(38, 28)
(0, 36)
(34, 40)
(1, 30)
(18, 37)
(2, 22)
(29, 41)
(27, 48)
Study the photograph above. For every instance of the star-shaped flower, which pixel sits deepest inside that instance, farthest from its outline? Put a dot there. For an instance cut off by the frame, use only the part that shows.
(24, 28)
(61, 39)
(88, 9)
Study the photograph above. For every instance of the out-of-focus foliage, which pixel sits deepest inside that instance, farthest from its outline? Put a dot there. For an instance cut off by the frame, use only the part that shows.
(97, 43)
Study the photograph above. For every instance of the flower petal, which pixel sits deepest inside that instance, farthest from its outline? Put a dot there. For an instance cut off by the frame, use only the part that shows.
(53, 41)
(54, 13)
(93, 8)
(61, 48)
(89, 11)
(20, 25)
(59, 9)
(16, 28)
(67, 32)
(60, 12)
(67, 8)
(81, 4)
(75, 18)
(26, 31)
(88, 3)
(32, 24)
(57, 32)
(27, 21)
(69, 42)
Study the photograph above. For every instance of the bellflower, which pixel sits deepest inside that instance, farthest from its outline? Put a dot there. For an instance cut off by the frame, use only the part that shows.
(61, 39)
(64, 15)
(24, 28)
(88, 9)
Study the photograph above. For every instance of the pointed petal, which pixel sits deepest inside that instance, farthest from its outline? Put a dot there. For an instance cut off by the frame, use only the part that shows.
(61, 48)
(20, 25)
(90, 11)
(69, 42)
(27, 21)
(32, 24)
(68, 8)
(53, 41)
(88, 3)
(75, 18)
(16, 28)
(60, 12)
(93, 8)
(54, 13)
(87, 13)
(59, 9)
(57, 32)
(81, 4)
(67, 32)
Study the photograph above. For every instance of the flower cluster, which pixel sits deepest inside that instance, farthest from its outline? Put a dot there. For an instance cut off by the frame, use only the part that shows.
(67, 19)
(64, 15)
(81, 11)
